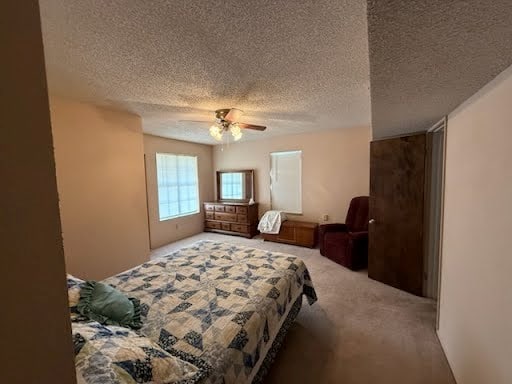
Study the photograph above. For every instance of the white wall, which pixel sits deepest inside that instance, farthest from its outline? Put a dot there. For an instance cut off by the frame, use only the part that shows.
(476, 287)
(335, 168)
(36, 329)
(100, 176)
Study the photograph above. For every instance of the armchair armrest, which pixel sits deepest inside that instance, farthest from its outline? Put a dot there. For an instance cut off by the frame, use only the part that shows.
(336, 227)
(326, 228)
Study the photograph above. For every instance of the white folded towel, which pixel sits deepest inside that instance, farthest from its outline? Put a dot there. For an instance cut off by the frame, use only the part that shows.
(271, 222)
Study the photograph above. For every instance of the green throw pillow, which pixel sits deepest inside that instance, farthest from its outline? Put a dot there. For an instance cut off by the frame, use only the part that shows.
(106, 305)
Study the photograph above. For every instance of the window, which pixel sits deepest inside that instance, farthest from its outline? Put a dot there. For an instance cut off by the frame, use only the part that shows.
(178, 191)
(232, 185)
(286, 181)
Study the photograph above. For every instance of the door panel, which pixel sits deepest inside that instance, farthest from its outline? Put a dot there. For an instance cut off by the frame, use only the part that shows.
(397, 184)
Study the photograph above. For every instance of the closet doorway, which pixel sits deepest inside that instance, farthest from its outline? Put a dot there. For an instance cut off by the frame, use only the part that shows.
(434, 209)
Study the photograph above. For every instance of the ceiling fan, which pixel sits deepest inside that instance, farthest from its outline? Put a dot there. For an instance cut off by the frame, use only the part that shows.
(227, 120)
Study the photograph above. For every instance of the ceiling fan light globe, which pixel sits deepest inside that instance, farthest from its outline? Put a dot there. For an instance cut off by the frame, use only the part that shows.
(235, 129)
(216, 132)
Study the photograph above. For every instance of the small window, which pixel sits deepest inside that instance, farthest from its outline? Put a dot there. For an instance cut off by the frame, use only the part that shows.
(286, 181)
(178, 187)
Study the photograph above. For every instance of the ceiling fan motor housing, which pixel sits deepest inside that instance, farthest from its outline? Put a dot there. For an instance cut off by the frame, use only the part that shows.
(231, 115)
(220, 114)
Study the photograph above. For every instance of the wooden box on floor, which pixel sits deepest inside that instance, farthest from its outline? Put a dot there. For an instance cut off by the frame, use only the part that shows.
(301, 233)
(239, 219)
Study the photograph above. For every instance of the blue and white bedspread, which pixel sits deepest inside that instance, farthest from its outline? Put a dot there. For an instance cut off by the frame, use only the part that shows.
(221, 304)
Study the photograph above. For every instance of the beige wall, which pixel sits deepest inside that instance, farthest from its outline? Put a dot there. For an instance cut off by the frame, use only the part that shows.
(335, 168)
(476, 286)
(167, 231)
(100, 176)
(36, 331)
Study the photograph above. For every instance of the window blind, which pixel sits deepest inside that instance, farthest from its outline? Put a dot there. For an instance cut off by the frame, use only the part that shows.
(178, 187)
(286, 181)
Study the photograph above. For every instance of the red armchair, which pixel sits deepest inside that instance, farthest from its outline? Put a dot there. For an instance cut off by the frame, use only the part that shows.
(347, 244)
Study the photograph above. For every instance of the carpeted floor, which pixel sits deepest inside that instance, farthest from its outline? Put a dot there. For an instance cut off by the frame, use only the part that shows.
(359, 332)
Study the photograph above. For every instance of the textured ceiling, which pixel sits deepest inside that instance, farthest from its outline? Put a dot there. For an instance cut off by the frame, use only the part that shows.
(427, 57)
(293, 66)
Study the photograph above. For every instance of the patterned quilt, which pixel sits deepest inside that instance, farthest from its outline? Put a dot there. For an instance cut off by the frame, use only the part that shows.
(115, 355)
(220, 304)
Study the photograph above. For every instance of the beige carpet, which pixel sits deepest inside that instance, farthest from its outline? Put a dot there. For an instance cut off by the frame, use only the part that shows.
(359, 332)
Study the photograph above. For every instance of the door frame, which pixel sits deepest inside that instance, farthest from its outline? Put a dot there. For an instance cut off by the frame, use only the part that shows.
(440, 126)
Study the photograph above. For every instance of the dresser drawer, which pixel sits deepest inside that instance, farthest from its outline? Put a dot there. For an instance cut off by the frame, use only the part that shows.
(209, 207)
(240, 228)
(212, 225)
(226, 226)
(225, 216)
(241, 210)
(230, 209)
(209, 215)
(219, 208)
(242, 218)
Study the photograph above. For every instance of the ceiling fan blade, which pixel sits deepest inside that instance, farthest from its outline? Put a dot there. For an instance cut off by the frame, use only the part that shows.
(252, 126)
(233, 115)
(195, 121)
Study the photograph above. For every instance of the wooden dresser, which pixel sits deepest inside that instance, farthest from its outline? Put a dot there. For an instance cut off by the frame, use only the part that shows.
(301, 233)
(239, 219)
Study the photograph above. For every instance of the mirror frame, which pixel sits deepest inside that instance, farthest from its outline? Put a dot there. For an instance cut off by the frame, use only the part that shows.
(249, 183)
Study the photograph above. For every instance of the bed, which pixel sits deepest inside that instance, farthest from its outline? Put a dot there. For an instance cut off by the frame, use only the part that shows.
(222, 309)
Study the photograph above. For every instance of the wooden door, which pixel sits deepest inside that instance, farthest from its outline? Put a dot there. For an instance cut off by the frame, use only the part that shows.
(397, 185)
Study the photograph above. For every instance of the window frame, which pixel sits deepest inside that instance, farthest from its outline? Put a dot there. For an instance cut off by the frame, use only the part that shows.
(298, 210)
(177, 155)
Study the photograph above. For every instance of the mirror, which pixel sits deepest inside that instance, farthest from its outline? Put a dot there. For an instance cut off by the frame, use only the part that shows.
(235, 185)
